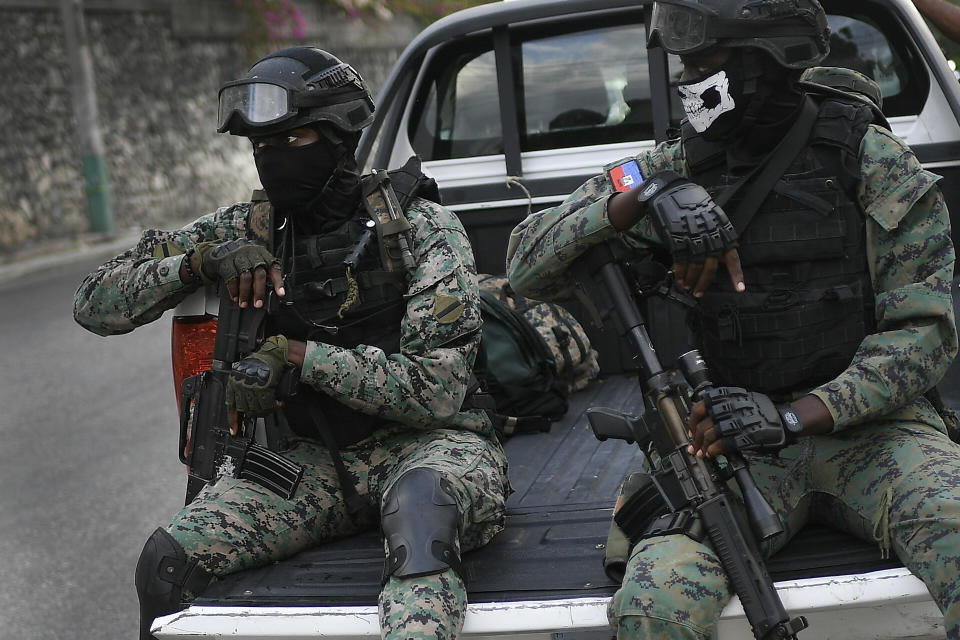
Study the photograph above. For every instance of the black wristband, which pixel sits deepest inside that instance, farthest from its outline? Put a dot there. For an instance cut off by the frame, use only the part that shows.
(188, 266)
(791, 421)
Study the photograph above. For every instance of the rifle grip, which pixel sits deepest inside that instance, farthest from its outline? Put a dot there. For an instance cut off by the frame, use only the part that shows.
(189, 389)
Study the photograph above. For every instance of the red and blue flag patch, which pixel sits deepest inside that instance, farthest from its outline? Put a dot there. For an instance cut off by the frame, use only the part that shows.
(626, 176)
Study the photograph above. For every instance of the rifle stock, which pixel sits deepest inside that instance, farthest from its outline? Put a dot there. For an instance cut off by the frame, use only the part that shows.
(684, 480)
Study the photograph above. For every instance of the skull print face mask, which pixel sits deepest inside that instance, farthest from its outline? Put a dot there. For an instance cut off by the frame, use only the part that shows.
(704, 101)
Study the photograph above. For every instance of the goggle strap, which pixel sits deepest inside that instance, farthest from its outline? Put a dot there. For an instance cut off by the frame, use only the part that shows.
(327, 98)
(733, 29)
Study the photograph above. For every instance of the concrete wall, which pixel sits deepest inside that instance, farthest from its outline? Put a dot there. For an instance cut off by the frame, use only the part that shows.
(158, 65)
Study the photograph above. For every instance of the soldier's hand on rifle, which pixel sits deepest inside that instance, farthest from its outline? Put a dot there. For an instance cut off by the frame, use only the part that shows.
(243, 265)
(252, 386)
(694, 229)
(734, 419)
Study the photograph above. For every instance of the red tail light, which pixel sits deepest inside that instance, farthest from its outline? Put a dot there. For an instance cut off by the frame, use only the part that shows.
(191, 346)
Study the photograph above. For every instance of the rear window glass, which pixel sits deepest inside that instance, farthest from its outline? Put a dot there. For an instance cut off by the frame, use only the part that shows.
(585, 88)
(573, 89)
(856, 42)
(459, 114)
(589, 85)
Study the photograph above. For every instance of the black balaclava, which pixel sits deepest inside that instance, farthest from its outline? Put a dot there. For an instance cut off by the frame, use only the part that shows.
(318, 185)
(776, 106)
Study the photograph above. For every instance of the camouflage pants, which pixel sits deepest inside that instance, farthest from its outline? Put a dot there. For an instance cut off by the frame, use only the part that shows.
(896, 483)
(236, 525)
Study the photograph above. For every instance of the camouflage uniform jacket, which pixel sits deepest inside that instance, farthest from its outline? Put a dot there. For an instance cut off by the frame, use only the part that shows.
(910, 256)
(421, 387)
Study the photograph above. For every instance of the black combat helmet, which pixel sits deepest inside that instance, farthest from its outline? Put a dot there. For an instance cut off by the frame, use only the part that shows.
(793, 32)
(292, 88)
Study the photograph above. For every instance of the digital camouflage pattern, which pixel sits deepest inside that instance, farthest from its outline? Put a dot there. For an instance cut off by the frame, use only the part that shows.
(893, 482)
(443, 593)
(894, 478)
(417, 392)
(423, 386)
(139, 285)
(235, 524)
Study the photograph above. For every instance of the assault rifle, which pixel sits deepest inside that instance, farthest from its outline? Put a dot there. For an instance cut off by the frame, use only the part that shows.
(206, 446)
(684, 480)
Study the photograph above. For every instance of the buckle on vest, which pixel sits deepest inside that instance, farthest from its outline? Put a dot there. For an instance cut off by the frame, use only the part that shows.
(780, 299)
(324, 288)
(840, 293)
(728, 324)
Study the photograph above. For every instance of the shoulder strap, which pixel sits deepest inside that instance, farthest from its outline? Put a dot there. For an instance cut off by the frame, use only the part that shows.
(409, 182)
(768, 172)
(356, 504)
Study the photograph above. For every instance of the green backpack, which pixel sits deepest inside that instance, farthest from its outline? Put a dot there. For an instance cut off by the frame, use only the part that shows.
(532, 356)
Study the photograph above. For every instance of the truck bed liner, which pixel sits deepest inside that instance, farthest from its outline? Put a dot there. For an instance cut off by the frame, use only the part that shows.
(565, 485)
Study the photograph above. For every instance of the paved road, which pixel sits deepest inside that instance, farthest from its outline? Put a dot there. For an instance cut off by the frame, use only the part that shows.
(87, 465)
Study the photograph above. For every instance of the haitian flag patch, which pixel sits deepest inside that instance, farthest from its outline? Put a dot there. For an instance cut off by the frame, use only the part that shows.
(626, 176)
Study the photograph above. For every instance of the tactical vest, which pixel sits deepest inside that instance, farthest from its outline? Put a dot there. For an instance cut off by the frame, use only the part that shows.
(809, 297)
(344, 288)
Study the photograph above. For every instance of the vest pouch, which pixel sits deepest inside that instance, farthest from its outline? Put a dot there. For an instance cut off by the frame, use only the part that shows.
(781, 340)
(803, 225)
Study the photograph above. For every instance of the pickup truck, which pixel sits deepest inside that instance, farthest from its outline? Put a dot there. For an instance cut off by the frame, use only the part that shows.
(511, 106)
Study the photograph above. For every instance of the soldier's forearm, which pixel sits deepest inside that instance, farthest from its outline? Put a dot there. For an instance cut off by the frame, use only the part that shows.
(296, 351)
(814, 415)
(623, 210)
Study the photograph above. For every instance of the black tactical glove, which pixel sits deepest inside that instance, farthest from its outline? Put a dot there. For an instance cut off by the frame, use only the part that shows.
(745, 420)
(228, 260)
(689, 222)
(252, 387)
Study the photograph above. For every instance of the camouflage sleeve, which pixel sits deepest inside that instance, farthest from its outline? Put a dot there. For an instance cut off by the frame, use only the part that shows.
(911, 261)
(542, 247)
(137, 286)
(423, 385)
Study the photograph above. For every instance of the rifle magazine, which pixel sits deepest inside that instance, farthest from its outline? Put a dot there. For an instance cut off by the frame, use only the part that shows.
(271, 471)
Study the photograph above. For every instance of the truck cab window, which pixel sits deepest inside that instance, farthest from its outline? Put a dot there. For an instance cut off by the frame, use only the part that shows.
(459, 113)
(573, 89)
(859, 46)
(585, 88)
(878, 48)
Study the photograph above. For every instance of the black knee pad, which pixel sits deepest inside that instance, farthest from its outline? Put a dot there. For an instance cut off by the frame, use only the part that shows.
(420, 522)
(163, 573)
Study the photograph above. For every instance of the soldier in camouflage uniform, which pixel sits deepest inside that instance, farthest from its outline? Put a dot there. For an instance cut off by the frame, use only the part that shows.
(384, 348)
(826, 317)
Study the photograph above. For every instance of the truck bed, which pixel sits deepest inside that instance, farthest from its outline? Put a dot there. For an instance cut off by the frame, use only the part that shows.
(565, 485)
